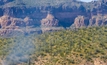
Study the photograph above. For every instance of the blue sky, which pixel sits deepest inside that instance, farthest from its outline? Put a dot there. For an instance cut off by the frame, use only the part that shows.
(86, 0)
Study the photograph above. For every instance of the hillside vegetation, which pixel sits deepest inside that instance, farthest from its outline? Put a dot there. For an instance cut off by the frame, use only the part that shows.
(65, 47)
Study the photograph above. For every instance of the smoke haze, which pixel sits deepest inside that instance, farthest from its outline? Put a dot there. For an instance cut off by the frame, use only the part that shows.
(22, 48)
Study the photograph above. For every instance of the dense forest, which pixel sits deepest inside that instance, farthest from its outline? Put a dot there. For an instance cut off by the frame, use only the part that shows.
(64, 47)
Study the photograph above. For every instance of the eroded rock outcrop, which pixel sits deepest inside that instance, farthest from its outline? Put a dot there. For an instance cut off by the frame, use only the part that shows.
(5, 21)
(28, 21)
(98, 20)
(10, 21)
(80, 21)
(95, 20)
(10, 25)
(48, 23)
(22, 14)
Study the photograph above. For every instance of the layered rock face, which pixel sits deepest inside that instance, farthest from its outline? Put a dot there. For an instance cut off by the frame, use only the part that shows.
(10, 21)
(10, 25)
(31, 14)
(79, 22)
(48, 23)
(98, 20)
